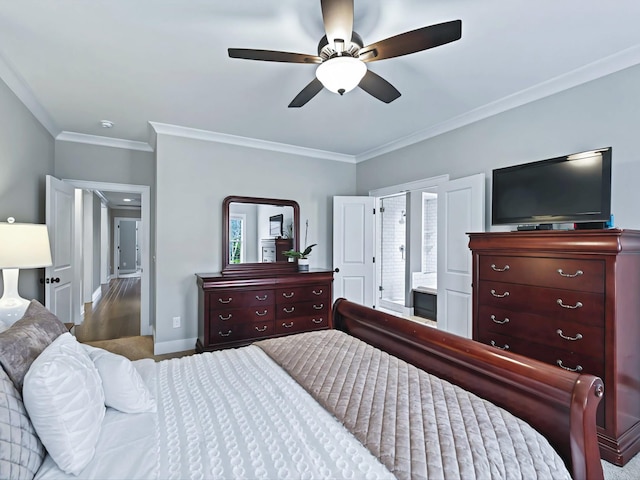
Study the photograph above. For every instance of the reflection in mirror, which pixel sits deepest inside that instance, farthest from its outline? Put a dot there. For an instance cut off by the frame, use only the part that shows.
(254, 230)
(256, 233)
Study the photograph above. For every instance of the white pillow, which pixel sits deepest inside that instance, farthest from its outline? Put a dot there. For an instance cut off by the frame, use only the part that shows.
(123, 386)
(63, 396)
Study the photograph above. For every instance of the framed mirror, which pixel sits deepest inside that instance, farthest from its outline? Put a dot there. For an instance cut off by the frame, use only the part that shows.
(256, 232)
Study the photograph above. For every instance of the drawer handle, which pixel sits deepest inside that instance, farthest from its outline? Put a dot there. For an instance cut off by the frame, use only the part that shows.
(287, 325)
(493, 344)
(577, 305)
(262, 299)
(499, 322)
(577, 337)
(498, 295)
(319, 292)
(496, 269)
(287, 310)
(577, 369)
(288, 295)
(261, 314)
(258, 329)
(224, 334)
(317, 320)
(570, 275)
(318, 307)
(225, 318)
(228, 300)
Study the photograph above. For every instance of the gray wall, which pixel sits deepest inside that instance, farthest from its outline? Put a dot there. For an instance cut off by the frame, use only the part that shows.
(193, 178)
(602, 113)
(26, 157)
(98, 163)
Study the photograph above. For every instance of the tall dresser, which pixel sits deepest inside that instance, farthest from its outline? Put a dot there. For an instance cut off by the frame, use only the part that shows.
(239, 309)
(572, 299)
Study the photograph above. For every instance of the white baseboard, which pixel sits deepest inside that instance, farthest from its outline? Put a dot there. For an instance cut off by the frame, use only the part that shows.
(160, 348)
(97, 295)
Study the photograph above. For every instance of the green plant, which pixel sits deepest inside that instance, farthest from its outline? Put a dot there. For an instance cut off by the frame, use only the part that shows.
(303, 254)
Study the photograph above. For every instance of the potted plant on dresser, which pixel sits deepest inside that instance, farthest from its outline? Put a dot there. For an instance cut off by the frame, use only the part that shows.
(303, 261)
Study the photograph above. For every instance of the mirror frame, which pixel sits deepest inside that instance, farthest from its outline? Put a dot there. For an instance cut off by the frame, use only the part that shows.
(257, 268)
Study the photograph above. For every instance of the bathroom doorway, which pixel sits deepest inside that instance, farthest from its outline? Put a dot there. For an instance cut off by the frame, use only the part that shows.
(392, 266)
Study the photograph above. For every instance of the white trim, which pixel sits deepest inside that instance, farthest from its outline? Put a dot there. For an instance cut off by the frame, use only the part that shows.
(97, 295)
(145, 215)
(193, 133)
(172, 346)
(21, 89)
(606, 66)
(103, 141)
(417, 185)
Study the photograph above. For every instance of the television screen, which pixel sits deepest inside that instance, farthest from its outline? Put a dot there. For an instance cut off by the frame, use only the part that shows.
(573, 188)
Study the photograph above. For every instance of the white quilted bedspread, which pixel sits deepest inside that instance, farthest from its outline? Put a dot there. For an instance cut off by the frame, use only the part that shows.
(228, 414)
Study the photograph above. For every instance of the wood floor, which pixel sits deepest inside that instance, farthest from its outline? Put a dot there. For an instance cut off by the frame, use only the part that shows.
(115, 315)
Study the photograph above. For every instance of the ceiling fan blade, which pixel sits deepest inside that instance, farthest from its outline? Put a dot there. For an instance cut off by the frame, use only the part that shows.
(413, 41)
(377, 86)
(337, 16)
(273, 56)
(307, 94)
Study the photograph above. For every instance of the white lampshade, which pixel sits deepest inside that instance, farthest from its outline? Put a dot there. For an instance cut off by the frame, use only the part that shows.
(24, 245)
(341, 74)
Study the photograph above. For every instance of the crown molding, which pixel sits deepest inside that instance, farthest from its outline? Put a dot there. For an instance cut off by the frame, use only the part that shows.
(606, 66)
(103, 141)
(193, 133)
(21, 89)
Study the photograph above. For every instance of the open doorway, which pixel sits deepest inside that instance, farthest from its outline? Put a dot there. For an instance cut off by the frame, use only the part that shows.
(392, 247)
(126, 299)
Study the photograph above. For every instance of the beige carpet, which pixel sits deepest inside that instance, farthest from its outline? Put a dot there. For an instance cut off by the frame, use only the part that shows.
(136, 348)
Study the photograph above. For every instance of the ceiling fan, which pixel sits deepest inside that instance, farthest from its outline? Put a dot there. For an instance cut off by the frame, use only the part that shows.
(342, 56)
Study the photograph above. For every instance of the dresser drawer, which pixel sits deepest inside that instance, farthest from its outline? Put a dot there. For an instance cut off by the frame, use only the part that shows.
(588, 363)
(224, 299)
(292, 310)
(302, 324)
(566, 273)
(303, 294)
(580, 307)
(553, 332)
(592, 365)
(234, 332)
(258, 313)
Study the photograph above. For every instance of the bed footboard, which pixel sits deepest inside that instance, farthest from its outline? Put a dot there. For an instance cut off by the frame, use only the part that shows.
(561, 405)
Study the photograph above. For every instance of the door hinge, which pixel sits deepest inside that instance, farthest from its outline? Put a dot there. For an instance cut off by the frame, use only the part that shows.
(374, 259)
(374, 211)
(381, 209)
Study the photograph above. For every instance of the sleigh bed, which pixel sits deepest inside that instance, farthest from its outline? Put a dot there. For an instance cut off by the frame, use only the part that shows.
(377, 397)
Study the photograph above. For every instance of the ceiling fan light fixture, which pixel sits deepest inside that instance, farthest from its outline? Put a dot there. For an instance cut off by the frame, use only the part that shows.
(341, 74)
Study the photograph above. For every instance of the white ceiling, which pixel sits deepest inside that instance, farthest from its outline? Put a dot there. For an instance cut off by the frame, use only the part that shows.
(75, 63)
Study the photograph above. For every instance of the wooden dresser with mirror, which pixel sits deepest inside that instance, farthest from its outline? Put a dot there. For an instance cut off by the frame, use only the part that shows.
(252, 299)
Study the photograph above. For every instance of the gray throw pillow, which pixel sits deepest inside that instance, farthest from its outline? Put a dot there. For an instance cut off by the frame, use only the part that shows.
(21, 343)
(21, 452)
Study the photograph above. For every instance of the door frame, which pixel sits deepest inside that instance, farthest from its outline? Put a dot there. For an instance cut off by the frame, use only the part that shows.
(409, 187)
(145, 216)
(116, 241)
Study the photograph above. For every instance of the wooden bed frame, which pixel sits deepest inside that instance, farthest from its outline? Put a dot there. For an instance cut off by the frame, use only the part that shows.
(561, 405)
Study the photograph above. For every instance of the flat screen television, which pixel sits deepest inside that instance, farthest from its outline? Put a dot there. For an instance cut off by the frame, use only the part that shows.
(570, 189)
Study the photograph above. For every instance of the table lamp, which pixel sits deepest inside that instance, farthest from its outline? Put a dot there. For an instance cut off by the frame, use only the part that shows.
(22, 245)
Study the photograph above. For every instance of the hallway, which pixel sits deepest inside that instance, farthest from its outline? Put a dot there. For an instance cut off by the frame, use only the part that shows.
(116, 314)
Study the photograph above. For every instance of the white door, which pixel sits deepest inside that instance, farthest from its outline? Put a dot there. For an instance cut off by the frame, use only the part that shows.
(353, 247)
(60, 217)
(460, 210)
